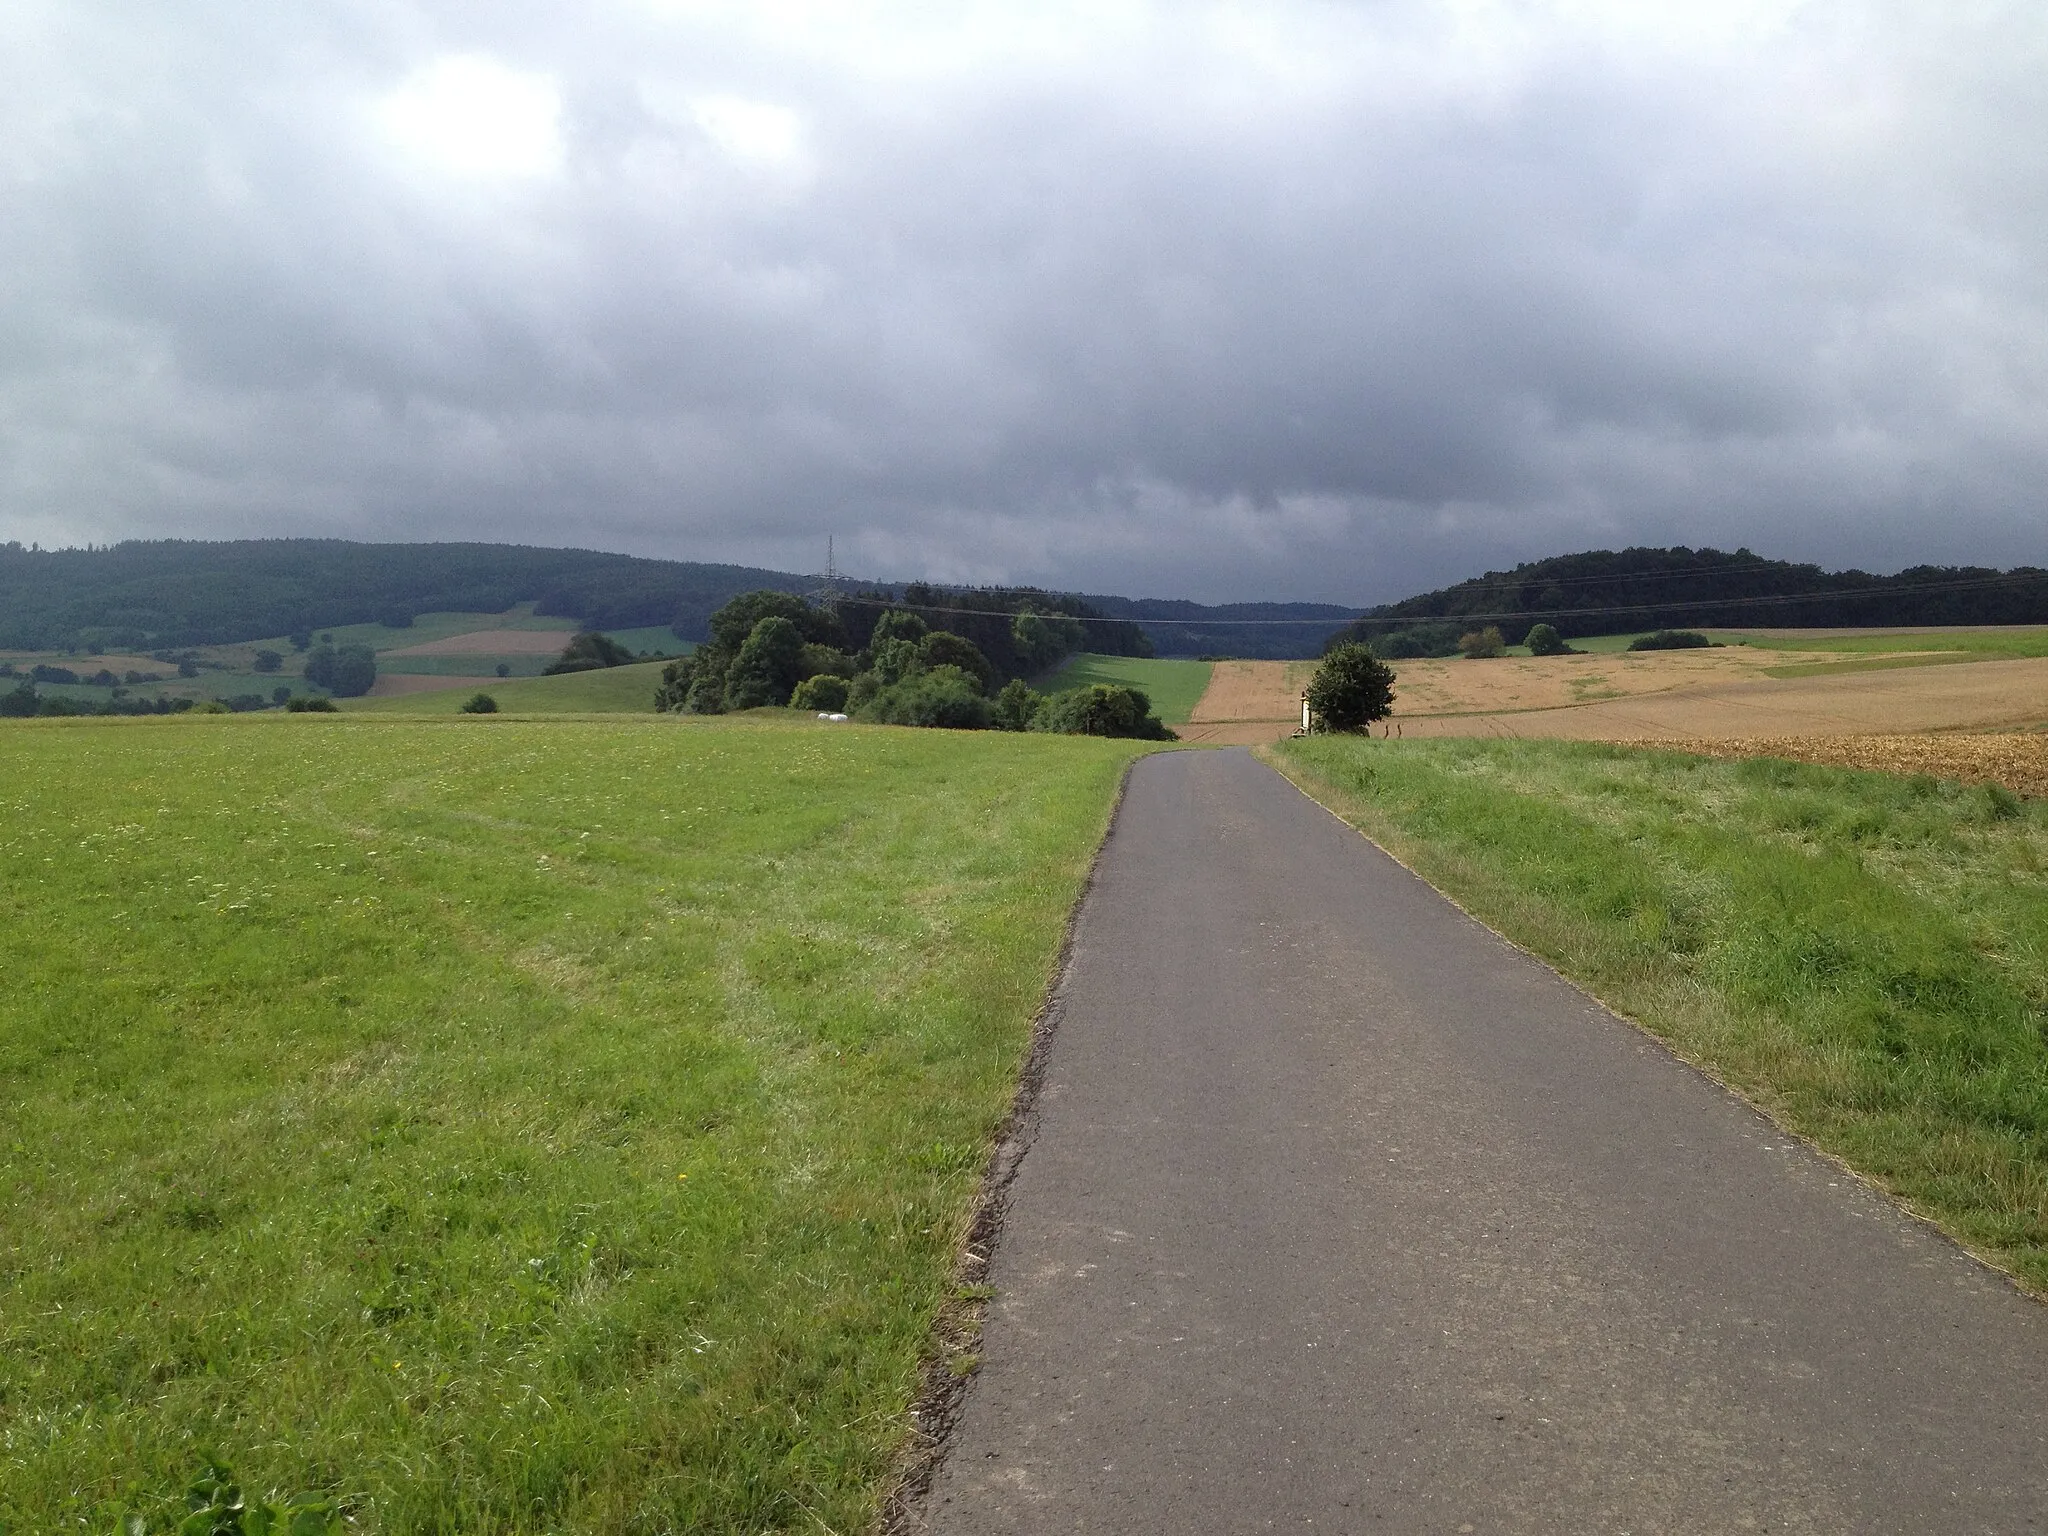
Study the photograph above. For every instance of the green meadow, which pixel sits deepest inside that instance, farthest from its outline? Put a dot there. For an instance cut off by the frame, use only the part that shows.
(1173, 686)
(503, 1125)
(1863, 954)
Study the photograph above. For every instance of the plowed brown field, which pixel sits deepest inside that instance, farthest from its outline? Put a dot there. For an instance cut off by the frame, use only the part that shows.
(2018, 760)
(392, 684)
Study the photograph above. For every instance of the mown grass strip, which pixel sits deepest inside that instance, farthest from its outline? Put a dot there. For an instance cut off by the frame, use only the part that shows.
(503, 1125)
(1863, 954)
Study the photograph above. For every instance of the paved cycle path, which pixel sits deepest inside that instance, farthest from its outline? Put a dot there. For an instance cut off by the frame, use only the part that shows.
(1341, 1214)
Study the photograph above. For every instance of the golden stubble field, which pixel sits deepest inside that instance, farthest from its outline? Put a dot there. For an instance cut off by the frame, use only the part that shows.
(1673, 696)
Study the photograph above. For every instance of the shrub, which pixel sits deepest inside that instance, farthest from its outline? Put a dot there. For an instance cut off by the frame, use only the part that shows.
(1351, 689)
(1017, 706)
(824, 693)
(269, 661)
(310, 704)
(211, 707)
(1101, 709)
(281, 693)
(944, 696)
(1482, 644)
(480, 704)
(1544, 640)
(1670, 640)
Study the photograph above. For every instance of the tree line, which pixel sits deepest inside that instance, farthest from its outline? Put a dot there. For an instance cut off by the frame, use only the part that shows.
(892, 665)
(1603, 592)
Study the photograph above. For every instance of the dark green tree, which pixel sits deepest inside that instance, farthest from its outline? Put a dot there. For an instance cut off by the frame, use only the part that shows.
(589, 652)
(1351, 689)
(765, 671)
(942, 648)
(1544, 640)
(269, 661)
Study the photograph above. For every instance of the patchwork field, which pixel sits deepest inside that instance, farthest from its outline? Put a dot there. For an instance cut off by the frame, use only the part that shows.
(1863, 954)
(457, 652)
(503, 1125)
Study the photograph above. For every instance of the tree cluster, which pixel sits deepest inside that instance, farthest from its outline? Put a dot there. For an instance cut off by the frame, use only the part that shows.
(769, 648)
(589, 652)
(346, 671)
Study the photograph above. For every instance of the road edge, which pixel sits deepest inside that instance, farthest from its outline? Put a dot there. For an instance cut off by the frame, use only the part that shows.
(952, 1355)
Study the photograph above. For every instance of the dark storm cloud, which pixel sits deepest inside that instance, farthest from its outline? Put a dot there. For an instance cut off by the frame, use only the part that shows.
(1311, 300)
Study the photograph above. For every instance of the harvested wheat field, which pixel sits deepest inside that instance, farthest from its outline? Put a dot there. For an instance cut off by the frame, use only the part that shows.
(1984, 696)
(2017, 760)
(493, 642)
(1248, 702)
(1654, 695)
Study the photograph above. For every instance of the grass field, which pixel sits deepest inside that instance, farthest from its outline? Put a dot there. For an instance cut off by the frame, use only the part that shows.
(1863, 954)
(1173, 686)
(503, 1125)
(610, 690)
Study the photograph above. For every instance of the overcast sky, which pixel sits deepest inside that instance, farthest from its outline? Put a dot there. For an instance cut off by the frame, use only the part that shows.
(1271, 300)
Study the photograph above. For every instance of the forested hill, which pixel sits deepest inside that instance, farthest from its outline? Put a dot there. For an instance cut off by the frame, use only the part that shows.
(1260, 631)
(1616, 591)
(182, 593)
(179, 592)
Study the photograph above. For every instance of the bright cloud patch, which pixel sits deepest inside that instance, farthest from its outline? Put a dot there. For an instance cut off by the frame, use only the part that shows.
(474, 116)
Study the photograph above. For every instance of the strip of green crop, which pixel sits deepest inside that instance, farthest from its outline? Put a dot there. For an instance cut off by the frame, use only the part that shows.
(503, 1126)
(1864, 955)
(1173, 686)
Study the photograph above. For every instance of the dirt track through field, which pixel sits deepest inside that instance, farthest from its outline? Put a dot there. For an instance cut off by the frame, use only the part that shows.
(1655, 695)
(1340, 1214)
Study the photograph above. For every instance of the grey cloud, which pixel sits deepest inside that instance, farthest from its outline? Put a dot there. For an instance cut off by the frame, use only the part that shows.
(1312, 300)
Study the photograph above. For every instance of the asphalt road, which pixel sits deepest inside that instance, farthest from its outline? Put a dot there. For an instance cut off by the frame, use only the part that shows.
(1341, 1213)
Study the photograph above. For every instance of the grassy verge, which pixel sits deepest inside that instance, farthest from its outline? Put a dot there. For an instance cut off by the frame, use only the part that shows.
(503, 1125)
(1864, 954)
(1174, 687)
(1977, 644)
(608, 690)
